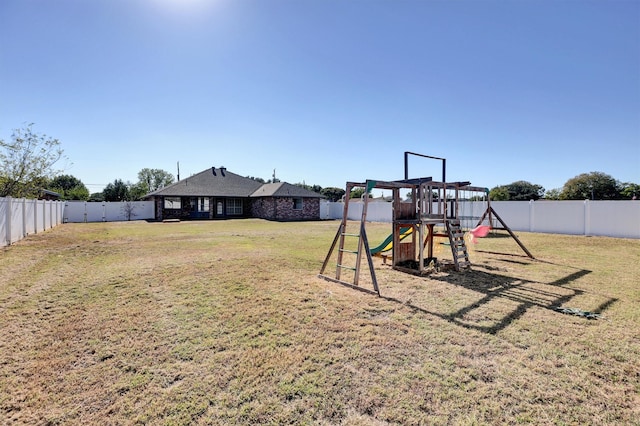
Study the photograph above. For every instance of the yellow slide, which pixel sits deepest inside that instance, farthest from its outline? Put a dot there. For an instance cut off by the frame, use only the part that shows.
(387, 244)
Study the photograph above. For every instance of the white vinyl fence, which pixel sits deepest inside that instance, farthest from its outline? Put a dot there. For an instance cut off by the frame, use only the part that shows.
(619, 219)
(20, 217)
(86, 211)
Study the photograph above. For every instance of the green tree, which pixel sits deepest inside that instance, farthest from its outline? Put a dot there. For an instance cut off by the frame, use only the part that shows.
(332, 193)
(312, 188)
(77, 193)
(591, 186)
(553, 194)
(517, 191)
(27, 162)
(499, 193)
(116, 191)
(70, 187)
(154, 179)
(630, 190)
(138, 190)
(357, 193)
(97, 196)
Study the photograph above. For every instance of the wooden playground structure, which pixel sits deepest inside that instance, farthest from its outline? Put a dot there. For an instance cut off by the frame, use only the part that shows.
(431, 210)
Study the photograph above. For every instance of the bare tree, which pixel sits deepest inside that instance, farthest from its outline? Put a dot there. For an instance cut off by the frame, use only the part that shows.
(27, 162)
(128, 209)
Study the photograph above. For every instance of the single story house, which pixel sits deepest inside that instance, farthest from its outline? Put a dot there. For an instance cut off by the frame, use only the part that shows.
(216, 193)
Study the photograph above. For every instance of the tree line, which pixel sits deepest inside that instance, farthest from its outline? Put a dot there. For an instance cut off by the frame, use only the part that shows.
(586, 186)
(31, 163)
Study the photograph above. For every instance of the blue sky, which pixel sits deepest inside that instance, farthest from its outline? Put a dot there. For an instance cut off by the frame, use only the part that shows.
(328, 91)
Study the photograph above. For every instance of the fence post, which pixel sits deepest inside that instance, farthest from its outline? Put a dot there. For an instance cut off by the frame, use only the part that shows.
(532, 219)
(24, 217)
(587, 218)
(35, 216)
(8, 230)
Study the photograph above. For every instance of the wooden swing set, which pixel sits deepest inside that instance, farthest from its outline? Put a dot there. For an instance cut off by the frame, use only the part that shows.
(431, 210)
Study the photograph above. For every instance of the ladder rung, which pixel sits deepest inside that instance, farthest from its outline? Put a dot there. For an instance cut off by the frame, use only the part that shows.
(346, 267)
(350, 235)
(349, 251)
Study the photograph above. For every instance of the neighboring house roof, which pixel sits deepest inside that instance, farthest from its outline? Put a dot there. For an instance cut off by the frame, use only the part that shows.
(213, 182)
(50, 194)
(284, 189)
(218, 182)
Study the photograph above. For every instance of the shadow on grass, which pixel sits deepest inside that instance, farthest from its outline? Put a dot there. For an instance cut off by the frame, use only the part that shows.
(497, 234)
(500, 288)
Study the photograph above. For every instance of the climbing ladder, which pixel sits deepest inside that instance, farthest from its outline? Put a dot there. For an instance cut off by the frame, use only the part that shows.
(348, 258)
(458, 245)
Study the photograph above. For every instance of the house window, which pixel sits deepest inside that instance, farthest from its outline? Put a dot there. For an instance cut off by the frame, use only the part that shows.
(219, 209)
(172, 203)
(234, 206)
(203, 204)
(297, 203)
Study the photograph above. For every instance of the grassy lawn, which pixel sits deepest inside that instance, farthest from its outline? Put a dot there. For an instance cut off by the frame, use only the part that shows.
(226, 322)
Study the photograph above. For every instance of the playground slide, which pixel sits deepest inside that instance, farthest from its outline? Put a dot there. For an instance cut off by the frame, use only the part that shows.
(387, 244)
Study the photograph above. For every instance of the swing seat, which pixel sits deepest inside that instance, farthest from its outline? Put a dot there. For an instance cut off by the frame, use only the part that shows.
(479, 231)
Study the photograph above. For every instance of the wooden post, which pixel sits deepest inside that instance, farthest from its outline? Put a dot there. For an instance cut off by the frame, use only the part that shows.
(8, 221)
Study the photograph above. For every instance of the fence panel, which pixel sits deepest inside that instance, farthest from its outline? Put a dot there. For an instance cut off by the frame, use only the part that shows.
(112, 212)
(379, 212)
(40, 219)
(514, 213)
(17, 225)
(95, 212)
(20, 217)
(129, 210)
(613, 218)
(75, 211)
(558, 217)
(30, 224)
(470, 212)
(48, 219)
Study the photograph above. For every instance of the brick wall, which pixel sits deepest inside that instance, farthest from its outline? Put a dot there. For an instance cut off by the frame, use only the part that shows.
(158, 204)
(281, 208)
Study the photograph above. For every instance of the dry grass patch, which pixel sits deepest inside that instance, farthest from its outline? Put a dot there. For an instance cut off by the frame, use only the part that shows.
(226, 323)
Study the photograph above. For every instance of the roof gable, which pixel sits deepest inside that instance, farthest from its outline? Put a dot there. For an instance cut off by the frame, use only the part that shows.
(284, 189)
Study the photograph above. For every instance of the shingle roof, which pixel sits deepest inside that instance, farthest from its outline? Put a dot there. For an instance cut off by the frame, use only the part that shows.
(284, 189)
(213, 182)
(219, 182)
